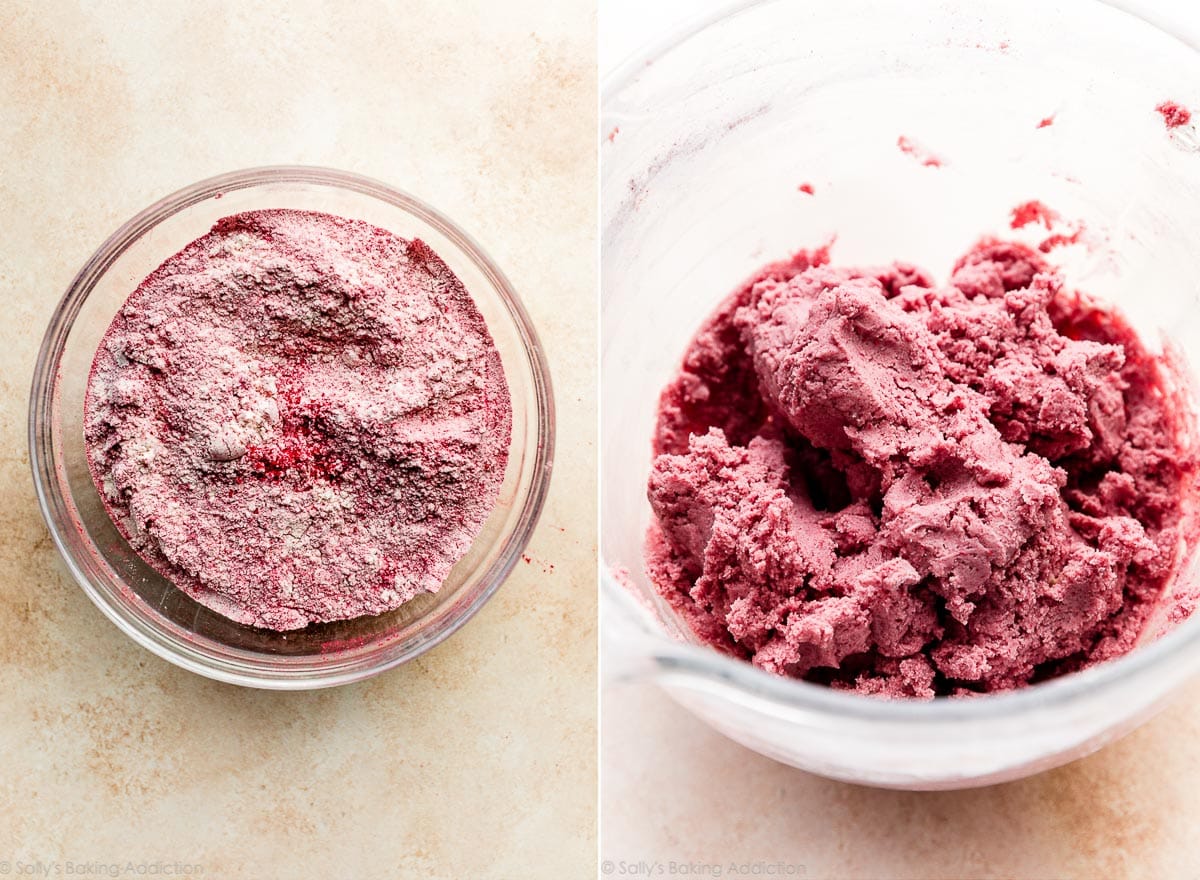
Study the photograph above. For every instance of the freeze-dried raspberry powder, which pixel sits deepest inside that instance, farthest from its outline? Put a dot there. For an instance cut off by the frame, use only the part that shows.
(299, 418)
(1174, 115)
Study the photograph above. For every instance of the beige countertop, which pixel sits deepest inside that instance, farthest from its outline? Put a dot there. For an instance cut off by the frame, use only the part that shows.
(476, 760)
(676, 791)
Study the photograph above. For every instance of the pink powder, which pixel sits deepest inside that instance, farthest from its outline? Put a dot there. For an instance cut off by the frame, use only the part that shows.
(1032, 212)
(1059, 239)
(1174, 115)
(299, 418)
(910, 147)
(867, 480)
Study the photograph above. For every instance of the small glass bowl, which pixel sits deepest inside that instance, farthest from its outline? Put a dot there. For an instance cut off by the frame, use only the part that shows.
(775, 125)
(147, 606)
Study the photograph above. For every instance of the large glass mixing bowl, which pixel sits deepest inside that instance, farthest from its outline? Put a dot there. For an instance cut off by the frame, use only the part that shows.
(147, 606)
(707, 141)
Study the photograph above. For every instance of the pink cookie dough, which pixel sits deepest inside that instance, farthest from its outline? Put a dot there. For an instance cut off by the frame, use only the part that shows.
(867, 480)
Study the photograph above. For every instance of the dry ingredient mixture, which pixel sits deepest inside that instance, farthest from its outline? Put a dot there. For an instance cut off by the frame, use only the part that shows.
(299, 418)
(867, 480)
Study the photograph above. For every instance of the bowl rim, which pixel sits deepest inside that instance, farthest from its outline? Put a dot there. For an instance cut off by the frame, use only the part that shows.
(628, 69)
(148, 632)
(673, 658)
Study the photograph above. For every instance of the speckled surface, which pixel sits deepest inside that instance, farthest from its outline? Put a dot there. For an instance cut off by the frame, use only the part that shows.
(478, 759)
(676, 791)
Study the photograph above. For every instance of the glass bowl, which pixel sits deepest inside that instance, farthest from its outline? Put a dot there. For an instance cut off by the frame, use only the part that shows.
(143, 603)
(708, 140)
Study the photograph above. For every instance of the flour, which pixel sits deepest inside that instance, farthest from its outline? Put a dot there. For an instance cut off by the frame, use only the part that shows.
(299, 418)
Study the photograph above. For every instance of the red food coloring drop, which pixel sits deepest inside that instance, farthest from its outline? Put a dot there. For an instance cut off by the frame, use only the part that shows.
(612, 135)
(1047, 121)
(806, 188)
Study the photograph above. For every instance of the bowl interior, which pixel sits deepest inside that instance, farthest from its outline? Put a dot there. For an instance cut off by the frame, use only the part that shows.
(715, 135)
(146, 603)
